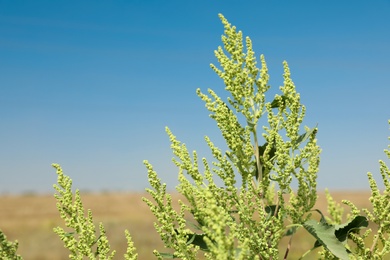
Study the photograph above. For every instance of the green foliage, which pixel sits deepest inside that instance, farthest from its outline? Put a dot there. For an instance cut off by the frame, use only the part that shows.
(8, 249)
(242, 203)
(247, 218)
(378, 234)
(80, 238)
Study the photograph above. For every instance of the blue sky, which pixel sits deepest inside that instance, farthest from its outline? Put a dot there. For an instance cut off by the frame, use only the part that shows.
(91, 85)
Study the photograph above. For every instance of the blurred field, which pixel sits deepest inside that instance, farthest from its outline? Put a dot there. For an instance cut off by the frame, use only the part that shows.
(31, 218)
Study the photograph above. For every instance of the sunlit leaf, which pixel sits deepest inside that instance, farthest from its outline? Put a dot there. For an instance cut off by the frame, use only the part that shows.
(303, 137)
(325, 235)
(167, 255)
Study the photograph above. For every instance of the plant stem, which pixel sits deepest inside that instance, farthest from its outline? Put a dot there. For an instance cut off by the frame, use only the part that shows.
(306, 253)
(288, 247)
(374, 243)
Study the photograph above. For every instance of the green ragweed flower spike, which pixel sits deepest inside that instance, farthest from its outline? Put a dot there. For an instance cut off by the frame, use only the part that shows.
(82, 241)
(80, 236)
(8, 249)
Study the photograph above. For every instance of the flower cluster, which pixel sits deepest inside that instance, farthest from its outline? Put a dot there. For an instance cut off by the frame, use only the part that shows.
(80, 237)
(241, 220)
(7, 248)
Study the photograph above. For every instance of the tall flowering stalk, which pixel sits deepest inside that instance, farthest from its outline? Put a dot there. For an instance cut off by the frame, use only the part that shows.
(246, 220)
(80, 236)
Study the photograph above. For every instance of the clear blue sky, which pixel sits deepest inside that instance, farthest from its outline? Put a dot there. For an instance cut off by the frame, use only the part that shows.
(92, 84)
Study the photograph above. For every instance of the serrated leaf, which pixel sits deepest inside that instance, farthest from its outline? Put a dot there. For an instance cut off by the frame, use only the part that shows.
(325, 235)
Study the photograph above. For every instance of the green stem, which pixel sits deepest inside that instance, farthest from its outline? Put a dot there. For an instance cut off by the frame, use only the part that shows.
(374, 243)
(257, 155)
(306, 253)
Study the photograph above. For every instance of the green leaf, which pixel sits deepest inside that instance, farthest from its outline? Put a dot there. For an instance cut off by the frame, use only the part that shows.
(322, 220)
(291, 231)
(271, 158)
(325, 235)
(194, 226)
(279, 101)
(271, 210)
(303, 137)
(233, 212)
(167, 255)
(197, 240)
(251, 124)
(237, 163)
(343, 230)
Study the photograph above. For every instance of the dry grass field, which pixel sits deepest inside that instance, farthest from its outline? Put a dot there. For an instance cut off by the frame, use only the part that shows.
(31, 218)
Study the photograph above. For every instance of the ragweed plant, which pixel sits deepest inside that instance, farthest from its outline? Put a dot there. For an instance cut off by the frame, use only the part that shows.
(246, 218)
(80, 236)
(374, 243)
(245, 200)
